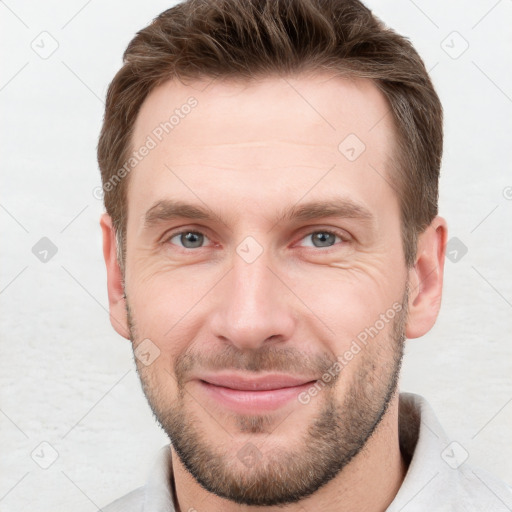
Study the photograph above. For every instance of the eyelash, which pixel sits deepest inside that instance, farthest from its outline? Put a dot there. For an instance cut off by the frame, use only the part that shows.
(341, 235)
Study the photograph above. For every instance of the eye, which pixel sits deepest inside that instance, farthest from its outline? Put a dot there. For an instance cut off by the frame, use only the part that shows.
(321, 239)
(188, 239)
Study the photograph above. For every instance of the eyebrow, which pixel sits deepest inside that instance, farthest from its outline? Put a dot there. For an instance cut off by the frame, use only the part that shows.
(166, 210)
(335, 207)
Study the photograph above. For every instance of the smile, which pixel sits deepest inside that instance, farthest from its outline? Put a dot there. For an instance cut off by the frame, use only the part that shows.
(253, 395)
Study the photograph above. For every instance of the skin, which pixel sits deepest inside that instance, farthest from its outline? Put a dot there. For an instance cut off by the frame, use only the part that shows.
(247, 153)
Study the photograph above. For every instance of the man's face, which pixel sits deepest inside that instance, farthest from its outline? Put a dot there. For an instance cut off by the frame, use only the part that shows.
(293, 272)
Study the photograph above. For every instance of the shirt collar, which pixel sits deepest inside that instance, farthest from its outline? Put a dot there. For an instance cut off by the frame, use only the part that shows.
(158, 495)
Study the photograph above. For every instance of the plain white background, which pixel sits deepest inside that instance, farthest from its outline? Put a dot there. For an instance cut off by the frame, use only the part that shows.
(68, 380)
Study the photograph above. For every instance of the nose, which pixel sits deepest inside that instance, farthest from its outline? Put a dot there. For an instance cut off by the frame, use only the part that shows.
(253, 307)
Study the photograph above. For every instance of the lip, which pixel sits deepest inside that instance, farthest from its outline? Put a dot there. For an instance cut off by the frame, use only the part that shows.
(253, 394)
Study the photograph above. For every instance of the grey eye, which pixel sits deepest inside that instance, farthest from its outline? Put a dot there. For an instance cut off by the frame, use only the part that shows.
(189, 239)
(321, 239)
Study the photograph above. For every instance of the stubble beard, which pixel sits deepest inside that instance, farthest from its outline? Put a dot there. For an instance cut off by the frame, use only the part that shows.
(282, 475)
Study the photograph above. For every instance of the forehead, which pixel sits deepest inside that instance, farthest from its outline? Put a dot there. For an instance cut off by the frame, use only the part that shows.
(329, 104)
(281, 128)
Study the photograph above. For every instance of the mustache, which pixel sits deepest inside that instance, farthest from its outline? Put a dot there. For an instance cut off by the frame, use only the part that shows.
(270, 359)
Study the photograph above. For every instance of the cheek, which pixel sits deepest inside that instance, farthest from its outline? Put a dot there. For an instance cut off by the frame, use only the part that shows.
(165, 307)
(347, 300)
(171, 306)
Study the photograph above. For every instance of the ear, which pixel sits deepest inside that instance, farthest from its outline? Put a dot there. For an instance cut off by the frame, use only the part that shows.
(116, 300)
(426, 279)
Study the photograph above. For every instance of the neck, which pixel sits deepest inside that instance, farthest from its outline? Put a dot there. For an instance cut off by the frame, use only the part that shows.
(368, 483)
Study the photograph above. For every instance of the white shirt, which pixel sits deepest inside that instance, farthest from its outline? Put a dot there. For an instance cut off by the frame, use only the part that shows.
(438, 478)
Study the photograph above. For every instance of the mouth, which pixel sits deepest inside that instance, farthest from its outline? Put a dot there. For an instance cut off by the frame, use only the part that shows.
(248, 395)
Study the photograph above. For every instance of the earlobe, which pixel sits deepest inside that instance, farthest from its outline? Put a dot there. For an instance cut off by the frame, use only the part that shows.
(116, 299)
(426, 279)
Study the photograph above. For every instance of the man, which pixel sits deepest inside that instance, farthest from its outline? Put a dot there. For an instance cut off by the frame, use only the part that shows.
(271, 171)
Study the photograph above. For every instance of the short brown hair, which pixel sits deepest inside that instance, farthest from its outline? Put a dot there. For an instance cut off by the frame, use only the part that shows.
(245, 39)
